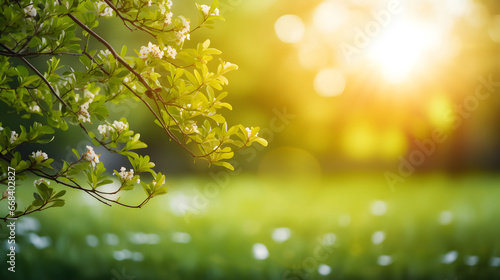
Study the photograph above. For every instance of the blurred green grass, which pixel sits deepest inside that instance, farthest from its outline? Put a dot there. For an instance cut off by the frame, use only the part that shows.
(434, 227)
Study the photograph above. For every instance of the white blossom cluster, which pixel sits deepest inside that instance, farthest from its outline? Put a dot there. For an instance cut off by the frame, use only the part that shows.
(83, 114)
(107, 11)
(249, 131)
(30, 10)
(151, 48)
(13, 137)
(165, 7)
(40, 181)
(171, 52)
(191, 129)
(126, 176)
(39, 156)
(34, 108)
(184, 33)
(91, 156)
(206, 9)
(119, 126)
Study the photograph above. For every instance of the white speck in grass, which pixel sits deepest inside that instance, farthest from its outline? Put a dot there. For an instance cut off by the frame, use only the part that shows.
(260, 251)
(281, 235)
(111, 239)
(329, 238)
(449, 257)
(384, 260)
(378, 237)
(324, 269)
(495, 261)
(344, 220)
(181, 237)
(40, 242)
(471, 260)
(92, 240)
(378, 208)
(445, 217)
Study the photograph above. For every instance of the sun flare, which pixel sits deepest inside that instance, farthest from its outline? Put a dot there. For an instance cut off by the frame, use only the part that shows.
(401, 48)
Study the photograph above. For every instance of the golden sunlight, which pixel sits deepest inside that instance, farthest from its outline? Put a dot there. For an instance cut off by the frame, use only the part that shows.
(402, 47)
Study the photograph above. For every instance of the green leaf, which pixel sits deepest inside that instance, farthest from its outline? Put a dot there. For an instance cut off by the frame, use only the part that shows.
(59, 194)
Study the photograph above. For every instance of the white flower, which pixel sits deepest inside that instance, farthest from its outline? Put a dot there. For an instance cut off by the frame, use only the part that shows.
(83, 114)
(138, 181)
(183, 33)
(126, 176)
(13, 137)
(103, 129)
(91, 156)
(168, 18)
(34, 108)
(1, 129)
(88, 95)
(40, 181)
(205, 9)
(169, 4)
(106, 52)
(151, 48)
(249, 131)
(171, 52)
(107, 11)
(39, 156)
(191, 129)
(150, 3)
(119, 126)
(30, 10)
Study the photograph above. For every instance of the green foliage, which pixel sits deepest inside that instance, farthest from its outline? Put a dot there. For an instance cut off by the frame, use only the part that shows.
(182, 88)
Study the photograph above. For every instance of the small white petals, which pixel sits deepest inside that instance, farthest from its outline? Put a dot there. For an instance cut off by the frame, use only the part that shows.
(39, 156)
(103, 129)
(13, 137)
(126, 176)
(106, 10)
(40, 181)
(171, 52)
(168, 18)
(151, 48)
(30, 10)
(183, 33)
(120, 126)
(83, 114)
(191, 129)
(34, 108)
(206, 10)
(91, 156)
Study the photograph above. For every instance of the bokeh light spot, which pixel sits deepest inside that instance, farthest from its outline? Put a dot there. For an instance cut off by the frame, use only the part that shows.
(330, 15)
(329, 82)
(324, 269)
(378, 208)
(384, 260)
(260, 251)
(289, 28)
(281, 235)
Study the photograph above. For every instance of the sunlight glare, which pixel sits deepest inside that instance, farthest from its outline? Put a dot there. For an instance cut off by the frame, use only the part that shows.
(400, 48)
